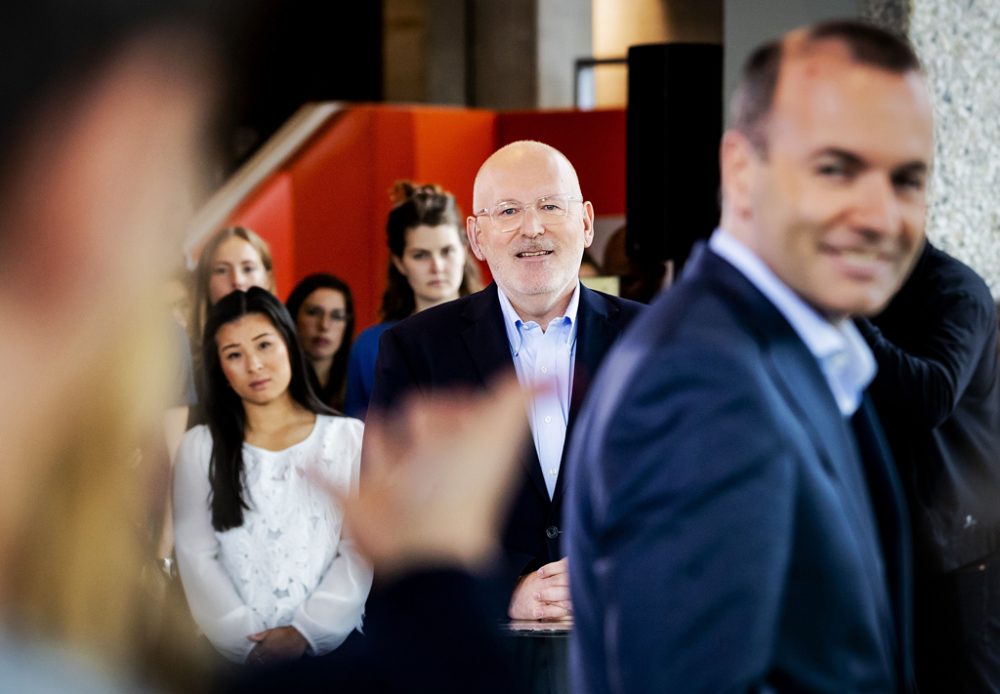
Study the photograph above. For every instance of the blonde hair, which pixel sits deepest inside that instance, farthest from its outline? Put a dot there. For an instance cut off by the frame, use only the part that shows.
(203, 272)
(76, 571)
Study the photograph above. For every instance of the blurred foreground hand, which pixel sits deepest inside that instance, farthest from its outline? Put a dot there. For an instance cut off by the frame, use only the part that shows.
(437, 478)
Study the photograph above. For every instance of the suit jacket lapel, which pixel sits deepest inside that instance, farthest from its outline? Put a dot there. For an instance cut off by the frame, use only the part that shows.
(792, 366)
(484, 335)
(596, 330)
(485, 338)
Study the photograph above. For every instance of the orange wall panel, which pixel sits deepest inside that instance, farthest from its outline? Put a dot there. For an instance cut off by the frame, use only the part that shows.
(450, 146)
(335, 197)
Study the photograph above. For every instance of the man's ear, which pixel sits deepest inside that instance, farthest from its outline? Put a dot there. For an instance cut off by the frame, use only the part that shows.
(737, 159)
(588, 224)
(472, 232)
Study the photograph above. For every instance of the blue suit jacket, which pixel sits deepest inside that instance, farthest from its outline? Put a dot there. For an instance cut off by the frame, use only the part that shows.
(728, 529)
(464, 343)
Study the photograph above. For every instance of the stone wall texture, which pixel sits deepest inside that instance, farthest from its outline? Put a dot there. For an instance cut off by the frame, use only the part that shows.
(958, 42)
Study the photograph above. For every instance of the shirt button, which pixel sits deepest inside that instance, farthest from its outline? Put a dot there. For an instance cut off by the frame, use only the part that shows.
(552, 471)
(548, 419)
(545, 369)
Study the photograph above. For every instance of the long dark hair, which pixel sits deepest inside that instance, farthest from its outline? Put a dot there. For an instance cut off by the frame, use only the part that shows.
(417, 205)
(223, 407)
(333, 393)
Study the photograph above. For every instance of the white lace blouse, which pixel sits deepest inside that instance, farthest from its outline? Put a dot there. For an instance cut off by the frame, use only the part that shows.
(287, 563)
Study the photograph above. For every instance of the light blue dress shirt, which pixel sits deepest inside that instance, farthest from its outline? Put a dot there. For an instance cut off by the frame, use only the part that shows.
(545, 357)
(843, 355)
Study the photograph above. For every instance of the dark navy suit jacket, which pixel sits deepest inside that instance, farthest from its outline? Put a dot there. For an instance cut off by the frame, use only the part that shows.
(938, 395)
(728, 529)
(464, 343)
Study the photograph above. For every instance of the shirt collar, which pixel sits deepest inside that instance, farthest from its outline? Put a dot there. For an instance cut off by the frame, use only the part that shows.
(844, 356)
(514, 325)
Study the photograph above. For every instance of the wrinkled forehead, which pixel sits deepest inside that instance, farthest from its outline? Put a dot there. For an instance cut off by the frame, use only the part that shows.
(524, 175)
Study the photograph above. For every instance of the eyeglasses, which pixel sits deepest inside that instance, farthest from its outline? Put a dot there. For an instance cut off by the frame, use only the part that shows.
(336, 315)
(508, 215)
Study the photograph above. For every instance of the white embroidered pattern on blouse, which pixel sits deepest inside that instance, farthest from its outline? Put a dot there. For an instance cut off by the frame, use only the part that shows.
(290, 535)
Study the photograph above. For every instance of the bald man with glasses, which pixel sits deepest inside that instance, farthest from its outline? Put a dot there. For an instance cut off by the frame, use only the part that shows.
(531, 225)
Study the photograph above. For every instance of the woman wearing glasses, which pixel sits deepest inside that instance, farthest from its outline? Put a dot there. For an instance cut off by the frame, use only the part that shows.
(428, 265)
(323, 310)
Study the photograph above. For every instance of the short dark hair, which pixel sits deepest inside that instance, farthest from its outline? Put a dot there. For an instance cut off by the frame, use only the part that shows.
(223, 407)
(333, 393)
(868, 45)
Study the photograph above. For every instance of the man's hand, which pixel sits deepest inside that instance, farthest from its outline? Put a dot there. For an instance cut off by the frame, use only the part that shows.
(543, 594)
(277, 645)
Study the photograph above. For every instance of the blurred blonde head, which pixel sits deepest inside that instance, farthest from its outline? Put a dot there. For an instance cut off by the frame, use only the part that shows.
(105, 133)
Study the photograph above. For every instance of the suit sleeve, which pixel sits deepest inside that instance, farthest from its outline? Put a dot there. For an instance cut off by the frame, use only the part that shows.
(692, 526)
(925, 382)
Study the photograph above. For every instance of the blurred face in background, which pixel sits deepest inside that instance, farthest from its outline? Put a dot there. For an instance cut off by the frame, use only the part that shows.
(236, 264)
(432, 262)
(321, 323)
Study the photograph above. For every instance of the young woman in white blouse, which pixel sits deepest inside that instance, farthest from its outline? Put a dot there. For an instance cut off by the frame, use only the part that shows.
(266, 571)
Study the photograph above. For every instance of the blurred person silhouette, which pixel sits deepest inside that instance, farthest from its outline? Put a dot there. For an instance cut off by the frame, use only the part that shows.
(323, 309)
(265, 568)
(105, 117)
(176, 416)
(429, 265)
(641, 279)
(735, 522)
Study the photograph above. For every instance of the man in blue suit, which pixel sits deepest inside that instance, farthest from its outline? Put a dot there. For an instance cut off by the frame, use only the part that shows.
(531, 225)
(734, 519)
